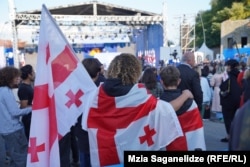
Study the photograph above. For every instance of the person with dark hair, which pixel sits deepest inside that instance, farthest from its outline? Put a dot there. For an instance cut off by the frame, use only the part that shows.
(149, 79)
(190, 79)
(123, 111)
(240, 129)
(25, 94)
(92, 66)
(188, 114)
(12, 130)
(230, 93)
(101, 78)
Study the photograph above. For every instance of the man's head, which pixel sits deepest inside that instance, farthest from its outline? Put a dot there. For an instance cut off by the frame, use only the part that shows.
(27, 72)
(170, 77)
(125, 67)
(188, 58)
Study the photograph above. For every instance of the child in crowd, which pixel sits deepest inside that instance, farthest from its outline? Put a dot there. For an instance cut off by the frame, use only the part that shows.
(188, 114)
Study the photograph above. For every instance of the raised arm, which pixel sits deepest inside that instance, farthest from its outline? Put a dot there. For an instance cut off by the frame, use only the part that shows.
(178, 102)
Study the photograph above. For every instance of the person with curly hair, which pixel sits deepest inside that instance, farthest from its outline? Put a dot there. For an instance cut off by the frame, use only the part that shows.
(12, 130)
(122, 108)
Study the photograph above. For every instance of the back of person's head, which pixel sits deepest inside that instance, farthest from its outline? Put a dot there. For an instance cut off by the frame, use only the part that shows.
(146, 66)
(101, 67)
(7, 75)
(198, 70)
(154, 69)
(92, 66)
(25, 71)
(220, 68)
(189, 58)
(170, 76)
(205, 71)
(232, 63)
(125, 67)
(149, 78)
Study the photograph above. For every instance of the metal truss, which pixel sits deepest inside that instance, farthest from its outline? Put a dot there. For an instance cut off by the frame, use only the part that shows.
(130, 19)
(12, 15)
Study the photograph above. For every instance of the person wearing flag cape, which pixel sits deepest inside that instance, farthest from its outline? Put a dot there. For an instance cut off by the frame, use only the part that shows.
(188, 115)
(125, 116)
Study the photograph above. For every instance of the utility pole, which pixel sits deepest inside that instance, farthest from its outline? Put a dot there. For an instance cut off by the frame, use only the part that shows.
(12, 16)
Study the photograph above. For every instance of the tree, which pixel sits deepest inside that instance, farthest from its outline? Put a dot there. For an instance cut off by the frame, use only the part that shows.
(221, 10)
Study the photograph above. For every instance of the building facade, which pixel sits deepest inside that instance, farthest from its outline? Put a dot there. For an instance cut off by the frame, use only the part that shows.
(235, 35)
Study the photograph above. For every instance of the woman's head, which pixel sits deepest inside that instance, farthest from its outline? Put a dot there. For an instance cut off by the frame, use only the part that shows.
(9, 76)
(220, 68)
(92, 66)
(231, 64)
(125, 67)
(149, 78)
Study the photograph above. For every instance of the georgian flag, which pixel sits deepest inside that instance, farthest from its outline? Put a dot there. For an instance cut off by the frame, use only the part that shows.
(192, 126)
(135, 121)
(63, 90)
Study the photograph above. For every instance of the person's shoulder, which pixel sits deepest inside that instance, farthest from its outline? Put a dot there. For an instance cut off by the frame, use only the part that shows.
(240, 129)
(5, 91)
(4, 88)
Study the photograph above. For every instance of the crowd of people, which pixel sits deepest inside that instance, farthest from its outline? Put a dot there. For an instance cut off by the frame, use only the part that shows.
(130, 98)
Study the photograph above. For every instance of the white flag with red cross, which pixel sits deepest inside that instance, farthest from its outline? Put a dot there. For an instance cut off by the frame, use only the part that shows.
(63, 90)
(192, 126)
(135, 121)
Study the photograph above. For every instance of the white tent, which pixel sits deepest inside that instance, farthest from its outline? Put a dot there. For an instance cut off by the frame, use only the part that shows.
(208, 53)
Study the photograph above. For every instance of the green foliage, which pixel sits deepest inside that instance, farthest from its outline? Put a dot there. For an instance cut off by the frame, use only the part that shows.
(221, 10)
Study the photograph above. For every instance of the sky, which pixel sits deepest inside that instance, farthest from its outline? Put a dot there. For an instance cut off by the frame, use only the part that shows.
(175, 8)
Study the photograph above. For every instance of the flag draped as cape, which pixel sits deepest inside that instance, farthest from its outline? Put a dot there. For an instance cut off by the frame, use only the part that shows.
(192, 126)
(135, 121)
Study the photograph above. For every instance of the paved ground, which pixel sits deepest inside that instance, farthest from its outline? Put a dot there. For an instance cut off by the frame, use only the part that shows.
(214, 131)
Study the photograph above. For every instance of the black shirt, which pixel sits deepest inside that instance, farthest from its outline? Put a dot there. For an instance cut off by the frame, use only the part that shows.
(26, 92)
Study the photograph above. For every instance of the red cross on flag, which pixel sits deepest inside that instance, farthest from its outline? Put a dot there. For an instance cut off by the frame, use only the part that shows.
(192, 126)
(63, 90)
(135, 121)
